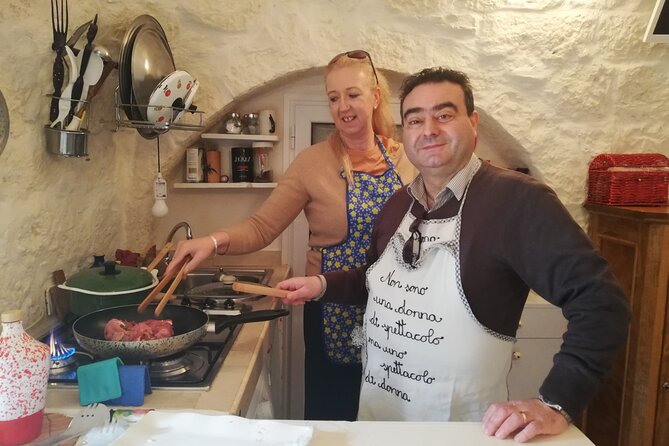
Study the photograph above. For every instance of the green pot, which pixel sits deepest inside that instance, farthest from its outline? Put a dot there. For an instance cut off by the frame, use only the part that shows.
(109, 286)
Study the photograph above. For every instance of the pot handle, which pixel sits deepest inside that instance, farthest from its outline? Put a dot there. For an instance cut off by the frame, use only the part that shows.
(110, 269)
(251, 316)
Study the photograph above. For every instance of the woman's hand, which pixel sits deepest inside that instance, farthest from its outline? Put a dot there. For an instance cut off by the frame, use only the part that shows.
(199, 249)
(302, 289)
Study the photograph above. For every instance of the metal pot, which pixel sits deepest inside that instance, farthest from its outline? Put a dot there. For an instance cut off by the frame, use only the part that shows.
(109, 286)
(190, 325)
(67, 143)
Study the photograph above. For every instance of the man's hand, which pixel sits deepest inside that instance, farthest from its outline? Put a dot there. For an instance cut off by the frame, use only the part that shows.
(523, 420)
(302, 289)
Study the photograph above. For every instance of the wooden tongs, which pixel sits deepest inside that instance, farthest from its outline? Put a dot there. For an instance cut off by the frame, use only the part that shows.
(168, 294)
(159, 257)
(252, 288)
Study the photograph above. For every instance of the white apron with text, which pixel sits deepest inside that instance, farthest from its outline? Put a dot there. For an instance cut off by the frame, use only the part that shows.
(425, 356)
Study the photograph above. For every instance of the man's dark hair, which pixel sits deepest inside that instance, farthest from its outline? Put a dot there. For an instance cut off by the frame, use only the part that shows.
(436, 75)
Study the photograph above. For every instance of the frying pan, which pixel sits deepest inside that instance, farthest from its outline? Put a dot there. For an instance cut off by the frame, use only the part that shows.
(190, 325)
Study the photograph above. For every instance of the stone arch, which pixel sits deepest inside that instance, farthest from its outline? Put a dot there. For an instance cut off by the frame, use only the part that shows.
(495, 142)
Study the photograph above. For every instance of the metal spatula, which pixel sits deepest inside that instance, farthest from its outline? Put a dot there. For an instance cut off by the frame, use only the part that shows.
(93, 415)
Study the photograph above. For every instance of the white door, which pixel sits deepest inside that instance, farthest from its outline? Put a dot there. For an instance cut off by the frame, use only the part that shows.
(304, 114)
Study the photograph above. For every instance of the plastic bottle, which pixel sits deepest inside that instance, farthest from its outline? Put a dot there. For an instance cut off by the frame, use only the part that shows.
(24, 376)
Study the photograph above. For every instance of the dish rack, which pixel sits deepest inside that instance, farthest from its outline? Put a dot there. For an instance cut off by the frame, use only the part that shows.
(120, 121)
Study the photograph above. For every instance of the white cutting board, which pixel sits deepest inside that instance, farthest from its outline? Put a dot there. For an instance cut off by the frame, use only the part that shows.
(183, 428)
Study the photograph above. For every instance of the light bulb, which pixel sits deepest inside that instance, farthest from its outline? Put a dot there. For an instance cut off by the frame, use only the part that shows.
(159, 208)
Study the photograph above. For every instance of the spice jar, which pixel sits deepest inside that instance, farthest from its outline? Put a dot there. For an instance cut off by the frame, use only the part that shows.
(24, 367)
(213, 166)
(233, 124)
(261, 161)
(250, 123)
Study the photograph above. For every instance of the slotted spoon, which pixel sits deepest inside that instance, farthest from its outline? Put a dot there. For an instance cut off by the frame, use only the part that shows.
(93, 415)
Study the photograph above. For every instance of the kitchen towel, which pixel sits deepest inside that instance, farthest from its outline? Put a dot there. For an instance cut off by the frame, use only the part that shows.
(113, 383)
(176, 429)
(135, 383)
(99, 381)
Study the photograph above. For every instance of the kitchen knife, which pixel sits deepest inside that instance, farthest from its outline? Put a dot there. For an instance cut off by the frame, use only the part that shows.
(74, 38)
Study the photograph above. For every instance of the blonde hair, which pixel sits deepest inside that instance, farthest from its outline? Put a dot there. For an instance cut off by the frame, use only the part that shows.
(382, 118)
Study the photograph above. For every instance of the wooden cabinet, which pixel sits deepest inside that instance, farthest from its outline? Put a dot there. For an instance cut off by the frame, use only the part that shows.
(539, 338)
(270, 394)
(279, 367)
(632, 407)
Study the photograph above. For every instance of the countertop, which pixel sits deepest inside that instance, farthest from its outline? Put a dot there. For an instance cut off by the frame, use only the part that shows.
(366, 433)
(359, 433)
(233, 386)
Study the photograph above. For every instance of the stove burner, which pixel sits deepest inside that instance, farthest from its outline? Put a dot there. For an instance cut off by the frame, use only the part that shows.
(218, 307)
(59, 352)
(71, 362)
(175, 365)
(63, 363)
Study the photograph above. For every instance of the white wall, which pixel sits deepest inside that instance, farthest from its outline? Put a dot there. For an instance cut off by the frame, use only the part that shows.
(568, 79)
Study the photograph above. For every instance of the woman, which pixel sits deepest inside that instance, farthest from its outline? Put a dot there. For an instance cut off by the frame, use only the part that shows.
(341, 184)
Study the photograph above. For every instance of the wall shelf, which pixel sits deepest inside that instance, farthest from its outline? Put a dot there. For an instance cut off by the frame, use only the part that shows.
(239, 137)
(225, 185)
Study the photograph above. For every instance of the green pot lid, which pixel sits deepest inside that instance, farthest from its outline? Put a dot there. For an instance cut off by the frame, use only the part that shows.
(110, 278)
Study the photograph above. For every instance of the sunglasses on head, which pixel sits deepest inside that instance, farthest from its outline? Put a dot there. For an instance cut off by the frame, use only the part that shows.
(411, 249)
(357, 54)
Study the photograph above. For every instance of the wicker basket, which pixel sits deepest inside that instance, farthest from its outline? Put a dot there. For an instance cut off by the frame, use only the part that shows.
(629, 179)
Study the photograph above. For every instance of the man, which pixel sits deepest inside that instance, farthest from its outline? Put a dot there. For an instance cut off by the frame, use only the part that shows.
(452, 259)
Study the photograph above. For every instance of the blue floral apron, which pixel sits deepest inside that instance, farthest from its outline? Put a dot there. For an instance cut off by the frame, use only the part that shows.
(364, 199)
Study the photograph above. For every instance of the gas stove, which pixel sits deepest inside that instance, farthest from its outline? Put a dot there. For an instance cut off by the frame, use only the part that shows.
(193, 368)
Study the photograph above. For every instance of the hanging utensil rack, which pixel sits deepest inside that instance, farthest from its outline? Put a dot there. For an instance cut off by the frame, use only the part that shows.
(158, 128)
